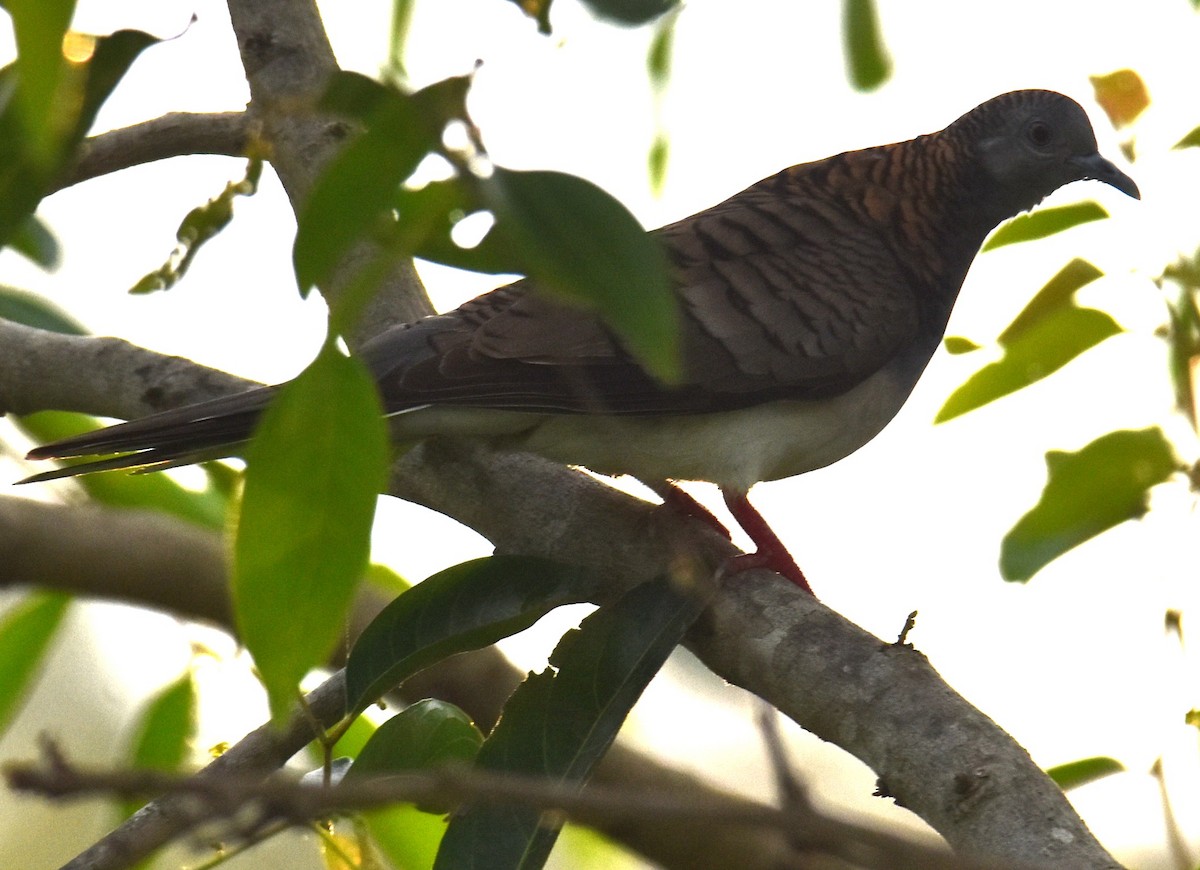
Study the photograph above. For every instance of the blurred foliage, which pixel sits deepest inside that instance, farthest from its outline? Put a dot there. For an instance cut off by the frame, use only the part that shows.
(200, 225)
(1191, 140)
(1044, 222)
(164, 732)
(25, 634)
(1074, 774)
(30, 309)
(571, 238)
(398, 37)
(302, 542)
(658, 67)
(49, 98)
(1087, 492)
(630, 12)
(1050, 332)
(1122, 95)
(539, 11)
(868, 64)
(1182, 333)
(34, 241)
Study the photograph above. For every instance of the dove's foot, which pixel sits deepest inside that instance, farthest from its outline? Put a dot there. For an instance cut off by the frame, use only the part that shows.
(771, 553)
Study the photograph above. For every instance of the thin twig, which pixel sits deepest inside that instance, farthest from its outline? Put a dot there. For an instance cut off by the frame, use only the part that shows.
(260, 805)
(175, 134)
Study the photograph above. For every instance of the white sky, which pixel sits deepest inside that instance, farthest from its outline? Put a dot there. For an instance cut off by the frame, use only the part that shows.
(1074, 663)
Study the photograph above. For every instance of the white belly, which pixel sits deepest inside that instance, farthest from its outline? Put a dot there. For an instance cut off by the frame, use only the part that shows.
(734, 449)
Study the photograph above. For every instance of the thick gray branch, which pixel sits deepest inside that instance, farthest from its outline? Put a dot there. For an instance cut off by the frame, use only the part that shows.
(287, 59)
(42, 370)
(939, 756)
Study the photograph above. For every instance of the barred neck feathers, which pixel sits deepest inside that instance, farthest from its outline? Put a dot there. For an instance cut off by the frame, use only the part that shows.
(916, 194)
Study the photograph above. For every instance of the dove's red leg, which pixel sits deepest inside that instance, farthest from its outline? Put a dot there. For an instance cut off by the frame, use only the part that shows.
(771, 553)
(683, 503)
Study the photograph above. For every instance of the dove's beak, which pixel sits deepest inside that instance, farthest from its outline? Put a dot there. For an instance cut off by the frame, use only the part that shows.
(1094, 167)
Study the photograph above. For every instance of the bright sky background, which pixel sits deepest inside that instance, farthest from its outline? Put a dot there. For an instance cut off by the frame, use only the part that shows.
(1073, 664)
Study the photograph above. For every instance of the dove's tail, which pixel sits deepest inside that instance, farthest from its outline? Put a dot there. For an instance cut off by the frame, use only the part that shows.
(194, 433)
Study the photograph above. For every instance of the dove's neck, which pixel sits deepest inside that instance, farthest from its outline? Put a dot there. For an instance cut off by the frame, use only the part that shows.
(931, 210)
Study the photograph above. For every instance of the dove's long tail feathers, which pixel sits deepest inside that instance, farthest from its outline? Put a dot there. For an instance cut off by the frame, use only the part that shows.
(194, 433)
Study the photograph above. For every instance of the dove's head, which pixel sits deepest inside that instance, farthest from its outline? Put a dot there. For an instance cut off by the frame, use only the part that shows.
(1030, 143)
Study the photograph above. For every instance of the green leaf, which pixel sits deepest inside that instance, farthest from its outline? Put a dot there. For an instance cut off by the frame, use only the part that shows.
(1044, 222)
(631, 12)
(25, 634)
(1050, 332)
(1192, 139)
(406, 835)
(1058, 294)
(386, 580)
(164, 733)
(559, 723)
(658, 67)
(38, 134)
(313, 473)
(662, 48)
(39, 27)
(1183, 333)
(574, 240)
(352, 199)
(581, 245)
(1123, 96)
(199, 226)
(428, 217)
(956, 344)
(34, 241)
(1086, 493)
(868, 64)
(1076, 773)
(398, 36)
(464, 607)
(656, 162)
(425, 734)
(208, 507)
(21, 306)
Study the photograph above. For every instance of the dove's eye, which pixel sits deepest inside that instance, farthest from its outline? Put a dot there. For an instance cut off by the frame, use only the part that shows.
(1039, 134)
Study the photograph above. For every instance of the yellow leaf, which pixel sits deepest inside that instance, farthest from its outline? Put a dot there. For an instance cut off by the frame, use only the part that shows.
(1122, 95)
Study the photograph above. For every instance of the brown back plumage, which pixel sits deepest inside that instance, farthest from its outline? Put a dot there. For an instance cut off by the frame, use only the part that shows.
(800, 286)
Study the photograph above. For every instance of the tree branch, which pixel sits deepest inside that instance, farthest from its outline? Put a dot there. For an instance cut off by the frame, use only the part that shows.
(172, 135)
(42, 370)
(148, 559)
(288, 61)
(934, 752)
(259, 804)
(937, 755)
